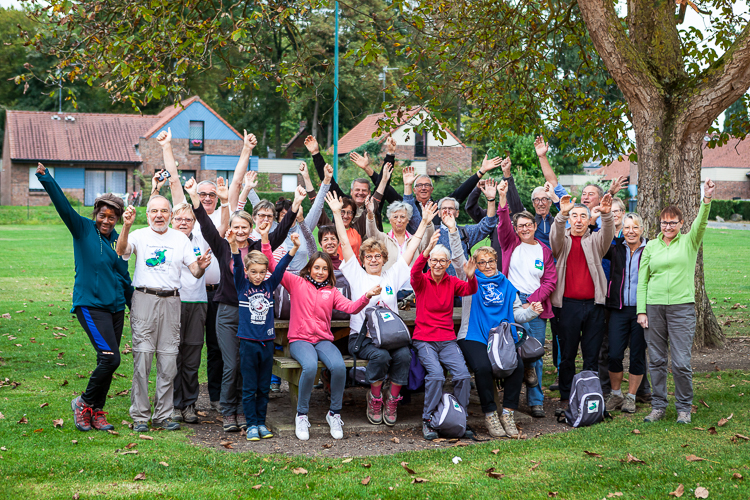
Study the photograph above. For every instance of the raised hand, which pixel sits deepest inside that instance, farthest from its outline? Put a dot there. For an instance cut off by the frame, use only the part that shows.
(249, 140)
(708, 189)
(606, 204)
(550, 190)
(502, 188)
(490, 188)
(567, 204)
(157, 183)
(165, 137)
(489, 164)
(129, 216)
(311, 143)
(505, 166)
(390, 146)
(374, 291)
(387, 172)
(40, 169)
(327, 174)
(204, 260)
(540, 146)
(370, 205)
(222, 191)
(304, 172)
(361, 161)
(231, 237)
(409, 175)
(295, 240)
(470, 266)
(428, 212)
(251, 180)
(537, 307)
(264, 228)
(334, 203)
(450, 221)
(432, 243)
(191, 188)
(299, 195)
(618, 184)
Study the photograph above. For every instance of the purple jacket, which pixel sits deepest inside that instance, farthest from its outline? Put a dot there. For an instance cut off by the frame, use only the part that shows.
(509, 240)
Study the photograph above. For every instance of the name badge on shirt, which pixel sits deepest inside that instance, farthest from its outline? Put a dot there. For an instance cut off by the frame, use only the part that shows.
(539, 264)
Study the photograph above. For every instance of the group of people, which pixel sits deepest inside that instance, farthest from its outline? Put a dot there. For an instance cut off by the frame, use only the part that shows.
(212, 277)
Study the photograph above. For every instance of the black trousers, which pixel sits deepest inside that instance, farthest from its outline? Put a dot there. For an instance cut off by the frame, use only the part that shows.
(475, 354)
(623, 330)
(581, 322)
(214, 361)
(105, 332)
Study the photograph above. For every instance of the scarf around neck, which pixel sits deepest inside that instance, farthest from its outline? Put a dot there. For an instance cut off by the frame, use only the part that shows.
(317, 285)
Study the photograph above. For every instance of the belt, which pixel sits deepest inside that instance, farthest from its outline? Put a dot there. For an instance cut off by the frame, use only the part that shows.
(211, 288)
(159, 293)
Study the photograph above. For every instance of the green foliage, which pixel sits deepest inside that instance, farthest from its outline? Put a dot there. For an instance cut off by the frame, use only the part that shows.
(736, 120)
(725, 209)
(526, 171)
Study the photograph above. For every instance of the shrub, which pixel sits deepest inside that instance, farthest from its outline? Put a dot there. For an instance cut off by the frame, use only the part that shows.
(725, 209)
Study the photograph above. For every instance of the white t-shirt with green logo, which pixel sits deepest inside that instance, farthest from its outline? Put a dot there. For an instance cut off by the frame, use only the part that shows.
(526, 267)
(391, 281)
(159, 257)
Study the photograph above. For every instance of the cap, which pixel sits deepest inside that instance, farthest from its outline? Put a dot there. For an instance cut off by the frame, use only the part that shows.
(111, 200)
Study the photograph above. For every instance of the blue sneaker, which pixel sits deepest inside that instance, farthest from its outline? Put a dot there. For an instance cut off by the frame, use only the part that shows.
(264, 432)
(252, 434)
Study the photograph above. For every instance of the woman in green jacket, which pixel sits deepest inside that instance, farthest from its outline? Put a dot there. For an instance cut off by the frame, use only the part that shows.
(100, 293)
(666, 305)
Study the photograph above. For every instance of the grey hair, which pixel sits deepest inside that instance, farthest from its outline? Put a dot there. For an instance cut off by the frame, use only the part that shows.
(598, 189)
(581, 205)
(423, 176)
(397, 207)
(440, 249)
(183, 207)
(360, 180)
(632, 215)
(447, 198)
(156, 197)
(619, 201)
(264, 205)
(206, 182)
(537, 189)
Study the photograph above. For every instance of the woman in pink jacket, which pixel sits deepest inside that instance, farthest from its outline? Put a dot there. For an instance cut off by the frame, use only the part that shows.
(313, 297)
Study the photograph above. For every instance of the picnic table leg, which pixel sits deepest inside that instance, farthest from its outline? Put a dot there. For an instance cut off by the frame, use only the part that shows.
(294, 386)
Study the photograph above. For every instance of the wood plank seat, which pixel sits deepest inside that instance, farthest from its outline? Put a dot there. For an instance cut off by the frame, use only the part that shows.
(290, 370)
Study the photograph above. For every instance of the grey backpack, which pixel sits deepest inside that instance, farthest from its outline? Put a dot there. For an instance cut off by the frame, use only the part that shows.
(450, 417)
(387, 330)
(501, 349)
(586, 401)
(343, 285)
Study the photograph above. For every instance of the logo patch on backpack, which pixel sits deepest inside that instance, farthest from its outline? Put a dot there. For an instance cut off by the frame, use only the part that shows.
(457, 406)
(386, 316)
(593, 406)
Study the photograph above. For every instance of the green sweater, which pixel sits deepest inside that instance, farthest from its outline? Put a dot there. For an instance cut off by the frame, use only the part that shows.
(667, 272)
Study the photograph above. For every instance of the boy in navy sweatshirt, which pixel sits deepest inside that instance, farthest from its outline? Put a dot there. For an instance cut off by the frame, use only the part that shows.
(256, 333)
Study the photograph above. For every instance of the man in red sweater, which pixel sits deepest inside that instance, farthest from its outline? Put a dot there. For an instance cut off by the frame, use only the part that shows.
(578, 300)
(434, 337)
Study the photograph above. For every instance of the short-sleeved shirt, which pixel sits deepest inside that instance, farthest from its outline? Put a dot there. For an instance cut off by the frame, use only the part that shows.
(159, 257)
(212, 275)
(193, 289)
(526, 267)
(391, 281)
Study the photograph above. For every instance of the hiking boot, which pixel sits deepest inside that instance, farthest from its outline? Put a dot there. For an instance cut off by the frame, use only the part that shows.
(335, 423)
(537, 411)
(374, 409)
(683, 417)
(509, 424)
(230, 423)
(166, 424)
(556, 385)
(428, 432)
(141, 426)
(177, 415)
(643, 398)
(82, 414)
(275, 388)
(494, 427)
(252, 434)
(264, 432)
(216, 406)
(189, 415)
(529, 376)
(654, 416)
(613, 402)
(241, 421)
(391, 407)
(301, 427)
(628, 406)
(99, 421)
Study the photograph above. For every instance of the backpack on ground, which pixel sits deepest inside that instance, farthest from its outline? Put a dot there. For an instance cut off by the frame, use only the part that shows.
(501, 349)
(343, 286)
(586, 401)
(450, 417)
(282, 303)
(387, 330)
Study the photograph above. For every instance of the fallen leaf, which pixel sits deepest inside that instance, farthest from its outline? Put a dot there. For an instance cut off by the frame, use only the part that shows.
(257, 474)
(6, 316)
(204, 414)
(552, 494)
(131, 445)
(1, 416)
(114, 433)
(615, 494)
(701, 492)
(23, 420)
(366, 466)
(495, 452)
(636, 431)
(165, 464)
(147, 438)
(140, 477)
(129, 452)
(38, 430)
(439, 440)
(64, 383)
(366, 481)
(631, 459)
(704, 404)
(257, 486)
(395, 440)
(346, 460)
(418, 480)
(712, 430)
(742, 437)
(592, 454)
(724, 421)
(536, 464)
(698, 429)
(678, 492)
(405, 466)
(60, 355)
(327, 445)
(58, 422)
(76, 496)
(494, 475)
(693, 458)
(43, 405)
(737, 476)
(299, 470)
(75, 441)
(123, 393)
(227, 444)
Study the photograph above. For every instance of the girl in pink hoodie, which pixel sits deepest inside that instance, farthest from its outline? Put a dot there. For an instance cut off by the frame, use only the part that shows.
(313, 297)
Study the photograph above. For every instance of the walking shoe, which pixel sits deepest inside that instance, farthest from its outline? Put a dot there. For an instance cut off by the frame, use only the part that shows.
(177, 415)
(216, 406)
(628, 406)
(230, 423)
(301, 427)
(99, 421)
(166, 424)
(494, 427)
(683, 417)
(335, 423)
(529, 376)
(654, 416)
(391, 407)
(613, 402)
(509, 424)
(275, 387)
(189, 415)
(374, 409)
(428, 432)
(241, 421)
(82, 414)
(252, 434)
(643, 398)
(556, 385)
(141, 426)
(537, 411)
(264, 432)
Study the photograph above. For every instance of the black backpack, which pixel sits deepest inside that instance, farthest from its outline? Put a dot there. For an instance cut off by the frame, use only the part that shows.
(343, 286)
(282, 304)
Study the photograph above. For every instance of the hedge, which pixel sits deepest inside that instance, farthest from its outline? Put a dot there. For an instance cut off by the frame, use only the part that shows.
(725, 209)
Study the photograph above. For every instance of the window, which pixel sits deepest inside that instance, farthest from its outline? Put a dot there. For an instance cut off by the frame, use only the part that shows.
(420, 145)
(196, 136)
(228, 175)
(99, 182)
(186, 175)
(34, 184)
(289, 183)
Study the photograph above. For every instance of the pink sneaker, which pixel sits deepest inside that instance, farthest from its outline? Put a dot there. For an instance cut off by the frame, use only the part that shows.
(391, 406)
(374, 409)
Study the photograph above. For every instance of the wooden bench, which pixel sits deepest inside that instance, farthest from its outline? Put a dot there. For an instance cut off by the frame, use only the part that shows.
(290, 370)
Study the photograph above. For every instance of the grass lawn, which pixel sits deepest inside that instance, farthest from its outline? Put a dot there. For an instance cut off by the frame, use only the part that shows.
(43, 349)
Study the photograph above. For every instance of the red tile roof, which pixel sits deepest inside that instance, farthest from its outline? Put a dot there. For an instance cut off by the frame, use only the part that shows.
(614, 169)
(95, 137)
(734, 154)
(171, 111)
(364, 131)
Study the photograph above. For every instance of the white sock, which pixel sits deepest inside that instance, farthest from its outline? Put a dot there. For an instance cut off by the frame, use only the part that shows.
(617, 392)
(507, 411)
(489, 414)
(630, 396)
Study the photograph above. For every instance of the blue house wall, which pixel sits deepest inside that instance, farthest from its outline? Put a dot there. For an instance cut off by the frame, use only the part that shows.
(213, 128)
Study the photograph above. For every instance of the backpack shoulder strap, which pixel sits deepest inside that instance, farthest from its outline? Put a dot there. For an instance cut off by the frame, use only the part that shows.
(356, 349)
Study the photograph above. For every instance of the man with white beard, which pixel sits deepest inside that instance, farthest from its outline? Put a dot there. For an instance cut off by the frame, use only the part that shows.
(155, 313)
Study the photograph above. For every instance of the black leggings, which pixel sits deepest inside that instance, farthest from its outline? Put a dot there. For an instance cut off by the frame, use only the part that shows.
(105, 331)
(475, 354)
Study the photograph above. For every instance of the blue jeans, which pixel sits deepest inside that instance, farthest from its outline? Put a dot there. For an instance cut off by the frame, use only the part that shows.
(307, 355)
(256, 363)
(537, 329)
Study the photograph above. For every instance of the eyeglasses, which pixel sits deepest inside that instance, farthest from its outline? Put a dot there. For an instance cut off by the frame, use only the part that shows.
(422, 186)
(375, 256)
(265, 216)
(669, 223)
(540, 201)
(163, 211)
(180, 220)
(525, 226)
(346, 212)
(486, 263)
(616, 211)
(447, 209)
(207, 195)
(439, 262)
(398, 217)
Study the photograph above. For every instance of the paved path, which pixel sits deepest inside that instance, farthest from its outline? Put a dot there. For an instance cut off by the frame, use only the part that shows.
(728, 225)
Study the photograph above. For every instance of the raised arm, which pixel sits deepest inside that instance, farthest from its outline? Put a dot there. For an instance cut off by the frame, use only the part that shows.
(472, 207)
(698, 228)
(317, 207)
(279, 234)
(305, 173)
(175, 187)
(341, 303)
(557, 231)
(248, 190)
(248, 143)
(416, 240)
(541, 148)
(319, 163)
(191, 187)
(75, 223)
(462, 192)
(123, 247)
(335, 204)
(458, 258)
(603, 238)
(506, 236)
(490, 193)
(390, 194)
(470, 286)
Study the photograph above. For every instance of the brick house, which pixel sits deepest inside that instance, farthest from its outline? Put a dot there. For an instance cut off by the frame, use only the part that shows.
(93, 153)
(426, 152)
